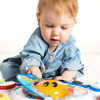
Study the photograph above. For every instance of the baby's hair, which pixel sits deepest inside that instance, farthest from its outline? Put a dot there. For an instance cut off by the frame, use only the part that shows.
(60, 6)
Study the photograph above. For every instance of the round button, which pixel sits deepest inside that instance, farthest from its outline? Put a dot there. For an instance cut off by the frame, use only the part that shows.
(50, 57)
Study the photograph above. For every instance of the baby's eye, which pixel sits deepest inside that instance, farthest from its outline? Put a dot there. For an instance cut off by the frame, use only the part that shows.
(64, 27)
(49, 26)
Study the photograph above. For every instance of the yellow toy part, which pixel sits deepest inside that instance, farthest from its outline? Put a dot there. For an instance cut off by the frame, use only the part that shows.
(3, 97)
(54, 88)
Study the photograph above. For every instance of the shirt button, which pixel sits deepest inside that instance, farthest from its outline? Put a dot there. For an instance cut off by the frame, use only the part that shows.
(50, 57)
(46, 67)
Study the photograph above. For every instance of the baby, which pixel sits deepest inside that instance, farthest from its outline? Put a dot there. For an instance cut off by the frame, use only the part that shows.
(50, 53)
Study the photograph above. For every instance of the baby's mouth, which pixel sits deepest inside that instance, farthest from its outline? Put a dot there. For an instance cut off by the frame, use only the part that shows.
(55, 41)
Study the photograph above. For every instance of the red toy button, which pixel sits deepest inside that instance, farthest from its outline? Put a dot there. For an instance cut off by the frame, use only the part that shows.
(98, 97)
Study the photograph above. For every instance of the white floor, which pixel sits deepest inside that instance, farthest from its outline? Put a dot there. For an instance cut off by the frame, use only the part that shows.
(90, 60)
(92, 67)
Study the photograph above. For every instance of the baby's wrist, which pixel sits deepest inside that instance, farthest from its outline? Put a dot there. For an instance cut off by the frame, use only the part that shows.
(34, 66)
(67, 78)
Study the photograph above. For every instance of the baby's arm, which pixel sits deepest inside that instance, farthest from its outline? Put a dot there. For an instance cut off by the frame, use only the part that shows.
(35, 71)
(67, 75)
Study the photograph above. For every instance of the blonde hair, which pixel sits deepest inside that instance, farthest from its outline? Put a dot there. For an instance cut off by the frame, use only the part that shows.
(60, 6)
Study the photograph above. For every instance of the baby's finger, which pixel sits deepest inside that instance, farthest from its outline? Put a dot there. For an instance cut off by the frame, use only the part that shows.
(29, 71)
(38, 74)
(58, 78)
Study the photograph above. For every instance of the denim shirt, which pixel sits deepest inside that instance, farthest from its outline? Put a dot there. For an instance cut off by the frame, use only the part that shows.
(36, 52)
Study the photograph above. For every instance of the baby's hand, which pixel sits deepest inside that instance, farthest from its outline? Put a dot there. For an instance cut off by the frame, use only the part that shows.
(67, 75)
(35, 71)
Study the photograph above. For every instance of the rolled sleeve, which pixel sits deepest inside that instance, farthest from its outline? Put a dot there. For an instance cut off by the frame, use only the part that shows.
(31, 62)
(73, 63)
(33, 52)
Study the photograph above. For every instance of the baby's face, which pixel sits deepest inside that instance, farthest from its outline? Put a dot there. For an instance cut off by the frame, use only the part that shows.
(55, 29)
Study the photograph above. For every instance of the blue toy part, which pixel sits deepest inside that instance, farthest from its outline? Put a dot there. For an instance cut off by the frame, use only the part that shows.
(28, 82)
(95, 87)
(70, 83)
(18, 84)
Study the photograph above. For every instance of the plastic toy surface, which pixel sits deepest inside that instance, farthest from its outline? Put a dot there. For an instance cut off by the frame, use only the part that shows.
(56, 89)
(29, 82)
(95, 87)
(3, 97)
(98, 97)
(7, 85)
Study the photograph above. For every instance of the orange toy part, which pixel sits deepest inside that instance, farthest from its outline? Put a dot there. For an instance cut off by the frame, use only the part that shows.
(54, 88)
(3, 97)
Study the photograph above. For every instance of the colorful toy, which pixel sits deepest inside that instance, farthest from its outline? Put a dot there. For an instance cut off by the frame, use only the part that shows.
(3, 97)
(20, 93)
(29, 82)
(2, 81)
(43, 88)
(54, 88)
(48, 98)
(7, 85)
(95, 87)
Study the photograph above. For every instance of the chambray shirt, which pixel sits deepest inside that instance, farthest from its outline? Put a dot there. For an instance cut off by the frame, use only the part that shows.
(65, 57)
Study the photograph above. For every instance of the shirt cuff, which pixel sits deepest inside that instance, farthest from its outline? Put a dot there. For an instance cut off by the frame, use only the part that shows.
(31, 62)
(74, 67)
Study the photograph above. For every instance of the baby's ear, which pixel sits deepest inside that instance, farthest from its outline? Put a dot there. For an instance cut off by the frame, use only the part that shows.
(38, 18)
(75, 21)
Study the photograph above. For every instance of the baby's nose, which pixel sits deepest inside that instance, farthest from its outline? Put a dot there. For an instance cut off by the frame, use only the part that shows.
(56, 31)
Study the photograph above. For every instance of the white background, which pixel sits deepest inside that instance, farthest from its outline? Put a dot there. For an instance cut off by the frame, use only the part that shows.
(18, 21)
